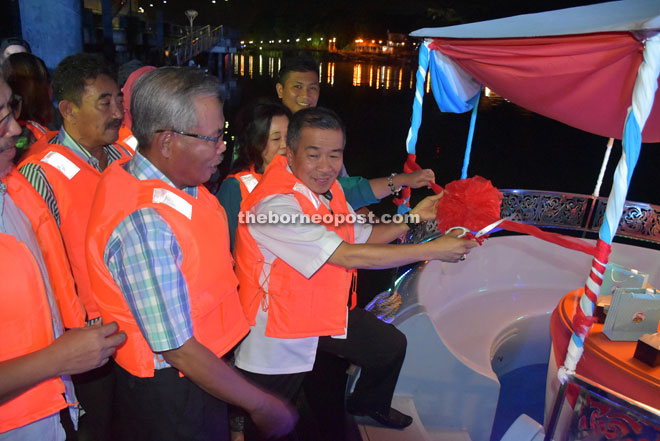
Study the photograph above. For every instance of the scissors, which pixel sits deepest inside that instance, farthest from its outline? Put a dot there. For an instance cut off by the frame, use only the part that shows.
(488, 229)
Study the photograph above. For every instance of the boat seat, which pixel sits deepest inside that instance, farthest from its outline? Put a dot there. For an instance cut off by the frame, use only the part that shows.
(524, 428)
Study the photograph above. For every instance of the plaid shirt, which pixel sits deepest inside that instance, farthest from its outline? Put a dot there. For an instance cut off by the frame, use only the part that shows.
(144, 258)
(36, 176)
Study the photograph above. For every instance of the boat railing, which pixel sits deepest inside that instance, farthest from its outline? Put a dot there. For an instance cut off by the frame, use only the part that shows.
(597, 407)
(567, 211)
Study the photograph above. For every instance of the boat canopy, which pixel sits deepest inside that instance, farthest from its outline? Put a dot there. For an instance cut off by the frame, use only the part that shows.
(618, 16)
(594, 67)
(575, 65)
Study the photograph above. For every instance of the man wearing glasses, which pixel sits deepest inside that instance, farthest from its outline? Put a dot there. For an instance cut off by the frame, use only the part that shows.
(65, 171)
(158, 254)
(36, 356)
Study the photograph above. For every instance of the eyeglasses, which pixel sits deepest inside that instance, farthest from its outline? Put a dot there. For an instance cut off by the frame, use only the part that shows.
(213, 139)
(14, 105)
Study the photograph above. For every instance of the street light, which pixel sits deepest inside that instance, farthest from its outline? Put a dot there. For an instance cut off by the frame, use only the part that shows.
(191, 14)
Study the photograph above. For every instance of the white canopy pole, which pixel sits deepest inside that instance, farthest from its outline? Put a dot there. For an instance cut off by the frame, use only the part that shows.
(606, 159)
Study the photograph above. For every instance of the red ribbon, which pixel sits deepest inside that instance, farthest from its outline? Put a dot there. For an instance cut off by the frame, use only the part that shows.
(409, 167)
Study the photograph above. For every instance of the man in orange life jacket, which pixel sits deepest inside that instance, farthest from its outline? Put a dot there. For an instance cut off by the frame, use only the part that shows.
(65, 171)
(296, 277)
(36, 355)
(159, 261)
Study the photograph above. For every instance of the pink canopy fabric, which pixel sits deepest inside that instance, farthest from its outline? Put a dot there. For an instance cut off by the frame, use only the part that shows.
(585, 81)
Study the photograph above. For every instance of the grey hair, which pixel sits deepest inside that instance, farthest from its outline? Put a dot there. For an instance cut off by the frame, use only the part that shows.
(164, 99)
(316, 118)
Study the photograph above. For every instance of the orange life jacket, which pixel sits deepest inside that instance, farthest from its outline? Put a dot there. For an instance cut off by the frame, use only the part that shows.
(25, 318)
(200, 226)
(297, 306)
(126, 139)
(38, 131)
(74, 182)
(52, 248)
(248, 180)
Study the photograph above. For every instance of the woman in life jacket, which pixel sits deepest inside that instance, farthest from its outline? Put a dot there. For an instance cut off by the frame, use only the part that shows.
(262, 135)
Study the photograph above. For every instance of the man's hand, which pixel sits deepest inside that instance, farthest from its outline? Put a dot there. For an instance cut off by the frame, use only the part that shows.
(416, 179)
(274, 417)
(82, 349)
(427, 207)
(449, 248)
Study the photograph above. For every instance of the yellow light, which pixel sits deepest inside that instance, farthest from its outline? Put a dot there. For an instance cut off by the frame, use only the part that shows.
(357, 75)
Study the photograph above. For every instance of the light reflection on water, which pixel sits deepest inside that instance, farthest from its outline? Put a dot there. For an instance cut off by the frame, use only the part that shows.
(377, 76)
(364, 74)
(513, 147)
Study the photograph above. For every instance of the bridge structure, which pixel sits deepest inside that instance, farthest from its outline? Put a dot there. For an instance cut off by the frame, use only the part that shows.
(215, 40)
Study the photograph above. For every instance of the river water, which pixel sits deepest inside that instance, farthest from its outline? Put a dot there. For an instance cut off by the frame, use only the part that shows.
(512, 147)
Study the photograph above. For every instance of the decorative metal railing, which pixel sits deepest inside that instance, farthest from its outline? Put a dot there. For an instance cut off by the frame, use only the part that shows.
(185, 48)
(546, 209)
(567, 211)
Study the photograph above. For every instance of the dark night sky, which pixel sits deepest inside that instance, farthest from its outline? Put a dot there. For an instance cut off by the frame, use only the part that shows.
(348, 18)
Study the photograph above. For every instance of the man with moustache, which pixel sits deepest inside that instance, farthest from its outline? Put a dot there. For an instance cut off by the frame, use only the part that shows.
(36, 356)
(65, 171)
(159, 261)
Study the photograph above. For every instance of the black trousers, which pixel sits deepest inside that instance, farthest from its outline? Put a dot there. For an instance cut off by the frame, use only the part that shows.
(377, 347)
(167, 408)
(95, 391)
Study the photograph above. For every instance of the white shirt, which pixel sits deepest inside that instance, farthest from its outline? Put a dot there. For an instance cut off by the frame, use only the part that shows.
(306, 247)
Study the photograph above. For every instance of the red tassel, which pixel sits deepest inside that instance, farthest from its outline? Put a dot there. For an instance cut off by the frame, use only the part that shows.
(473, 203)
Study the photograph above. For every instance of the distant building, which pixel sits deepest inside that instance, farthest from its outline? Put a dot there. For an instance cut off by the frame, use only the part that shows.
(398, 42)
(395, 44)
(372, 47)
